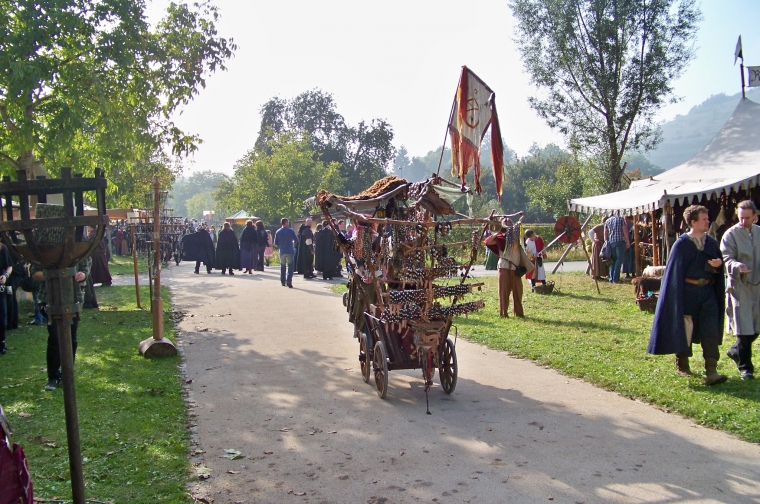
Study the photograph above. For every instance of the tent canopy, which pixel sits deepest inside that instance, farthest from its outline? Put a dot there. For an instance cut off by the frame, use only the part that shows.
(241, 217)
(731, 161)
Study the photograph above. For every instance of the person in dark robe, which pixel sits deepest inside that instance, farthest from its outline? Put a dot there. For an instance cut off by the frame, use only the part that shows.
(249, 245)
(263, 242)
(6, 267)
(317, 270)
(100, 273)
(305, 252)
(227, 250)
(119, 240)
(691, 305)
(198, 247)
(11, 290)
(328, 257)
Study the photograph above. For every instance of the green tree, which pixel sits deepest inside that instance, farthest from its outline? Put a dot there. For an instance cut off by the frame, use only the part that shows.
(605, 68)
(201, 202)
(548, 195)
(87, 83)
(364, 152)
(185, 188)
(540, 163)
(275, 183)
(131, 188)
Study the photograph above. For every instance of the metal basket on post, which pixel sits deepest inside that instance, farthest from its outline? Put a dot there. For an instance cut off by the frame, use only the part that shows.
(57, 243)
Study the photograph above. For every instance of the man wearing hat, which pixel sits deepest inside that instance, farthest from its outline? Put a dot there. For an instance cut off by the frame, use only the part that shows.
(506, 244)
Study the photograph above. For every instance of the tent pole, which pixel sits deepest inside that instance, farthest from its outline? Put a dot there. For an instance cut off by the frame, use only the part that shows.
(446, 135)
(637, 249)
(655, 245)
(665, 233)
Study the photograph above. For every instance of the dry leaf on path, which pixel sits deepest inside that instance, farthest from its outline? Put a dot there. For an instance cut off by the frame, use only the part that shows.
(203, 472)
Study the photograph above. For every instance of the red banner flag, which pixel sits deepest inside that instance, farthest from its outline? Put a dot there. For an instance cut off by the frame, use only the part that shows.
(474, 112)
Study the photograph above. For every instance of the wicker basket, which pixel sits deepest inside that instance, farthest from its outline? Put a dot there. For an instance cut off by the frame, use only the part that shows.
(544, 289)
(648, 303)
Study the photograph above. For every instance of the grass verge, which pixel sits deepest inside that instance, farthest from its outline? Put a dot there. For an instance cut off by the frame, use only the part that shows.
(131, 411)
(123, 265)
(602, 339)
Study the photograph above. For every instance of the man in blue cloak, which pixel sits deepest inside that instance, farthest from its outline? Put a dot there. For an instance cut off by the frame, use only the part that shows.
(692, 303)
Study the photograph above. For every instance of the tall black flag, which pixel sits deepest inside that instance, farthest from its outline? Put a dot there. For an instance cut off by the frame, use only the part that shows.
(738, 51)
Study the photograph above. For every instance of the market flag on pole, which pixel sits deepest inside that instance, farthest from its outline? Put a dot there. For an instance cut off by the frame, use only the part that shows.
(754, 76)
(474, 112)
(738, 51)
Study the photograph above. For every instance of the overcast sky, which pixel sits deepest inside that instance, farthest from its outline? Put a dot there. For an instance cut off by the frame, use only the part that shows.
(400, 60)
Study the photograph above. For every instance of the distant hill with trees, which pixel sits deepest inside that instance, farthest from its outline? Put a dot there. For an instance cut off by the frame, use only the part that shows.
(686, 135)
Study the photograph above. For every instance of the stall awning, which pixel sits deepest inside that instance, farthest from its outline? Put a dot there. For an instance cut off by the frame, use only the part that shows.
(731, 161)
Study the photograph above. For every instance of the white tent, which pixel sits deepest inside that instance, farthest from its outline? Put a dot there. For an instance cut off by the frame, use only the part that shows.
(730, 161)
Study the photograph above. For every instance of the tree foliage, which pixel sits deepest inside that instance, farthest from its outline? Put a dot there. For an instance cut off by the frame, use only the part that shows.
(364, 151)
(87, 83)
(274, 181)
(184, 188)
(606, 67)
(202, 202)
(548, 195)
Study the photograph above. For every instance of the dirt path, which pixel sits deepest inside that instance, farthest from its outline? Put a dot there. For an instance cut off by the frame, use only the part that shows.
(275, 376)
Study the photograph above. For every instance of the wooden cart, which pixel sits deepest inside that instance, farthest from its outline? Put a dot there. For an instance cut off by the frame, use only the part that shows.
(401, 265)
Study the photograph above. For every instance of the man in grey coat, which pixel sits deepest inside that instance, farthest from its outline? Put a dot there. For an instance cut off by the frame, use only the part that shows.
(740, 246)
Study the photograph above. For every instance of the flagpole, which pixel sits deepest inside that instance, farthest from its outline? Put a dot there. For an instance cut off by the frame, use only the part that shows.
(446, 135)
(741, 66)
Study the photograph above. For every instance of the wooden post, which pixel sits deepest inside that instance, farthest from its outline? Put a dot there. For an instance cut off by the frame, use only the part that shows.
(655, 245)
(134, 261)
(636, 242)
(156, 302)
(666, 242)
(157, 346)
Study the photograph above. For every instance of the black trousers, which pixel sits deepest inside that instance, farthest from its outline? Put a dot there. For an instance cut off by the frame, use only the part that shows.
(743, 348)
(90, 298)
(700, 302)
(260, 258)
(198, 267)
(11, 311)
(3, 317)
(53, 350)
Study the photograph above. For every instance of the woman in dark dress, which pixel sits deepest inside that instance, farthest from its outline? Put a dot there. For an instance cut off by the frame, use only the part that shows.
(227, 250)
(6, 266)
(249, 247)
(100, 273)
(263, 243)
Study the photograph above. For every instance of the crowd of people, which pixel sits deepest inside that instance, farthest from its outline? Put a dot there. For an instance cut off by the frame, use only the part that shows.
(305, 252)
(704, 277)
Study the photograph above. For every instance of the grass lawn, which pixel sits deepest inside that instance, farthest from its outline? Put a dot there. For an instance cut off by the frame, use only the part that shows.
(603, 340)
(123, 265)
(131, 410)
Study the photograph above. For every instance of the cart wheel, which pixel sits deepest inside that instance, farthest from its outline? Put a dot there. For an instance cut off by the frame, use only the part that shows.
(448, 368)
(380, 364)
(364, 356)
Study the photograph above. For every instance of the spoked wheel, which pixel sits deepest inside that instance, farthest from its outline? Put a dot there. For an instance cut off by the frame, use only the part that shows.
(380, 365)
(447, 366)
(365, 342)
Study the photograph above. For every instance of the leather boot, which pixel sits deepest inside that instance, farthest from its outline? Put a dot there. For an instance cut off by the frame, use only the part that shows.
(682, 365)
(712, 377)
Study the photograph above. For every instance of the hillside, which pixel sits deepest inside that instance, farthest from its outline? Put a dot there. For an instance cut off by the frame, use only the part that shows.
(685, 135)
